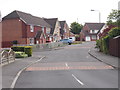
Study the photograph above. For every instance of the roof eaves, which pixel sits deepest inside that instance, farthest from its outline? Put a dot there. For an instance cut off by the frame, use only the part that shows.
(23, 20)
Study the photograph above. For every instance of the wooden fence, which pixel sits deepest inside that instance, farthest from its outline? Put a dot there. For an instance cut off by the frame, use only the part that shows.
(114, 46)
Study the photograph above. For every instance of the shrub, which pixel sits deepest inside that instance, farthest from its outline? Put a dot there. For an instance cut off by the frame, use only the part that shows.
(20, 55)
(114, 32)
(26, 49)
(77, 42)
(103, 43)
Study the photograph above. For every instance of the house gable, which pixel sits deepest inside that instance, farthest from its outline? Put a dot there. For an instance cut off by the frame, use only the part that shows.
(91, 30)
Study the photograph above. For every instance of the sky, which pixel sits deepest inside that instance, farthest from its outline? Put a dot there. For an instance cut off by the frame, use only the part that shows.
(69, 10)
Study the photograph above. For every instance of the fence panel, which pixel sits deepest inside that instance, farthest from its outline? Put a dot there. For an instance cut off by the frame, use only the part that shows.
(114, 47)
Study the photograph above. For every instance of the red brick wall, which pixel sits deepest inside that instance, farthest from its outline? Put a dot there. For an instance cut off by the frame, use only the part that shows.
(32, 34)
(12, 29)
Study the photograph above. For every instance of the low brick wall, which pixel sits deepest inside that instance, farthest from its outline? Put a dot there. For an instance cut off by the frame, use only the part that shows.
(114, 46)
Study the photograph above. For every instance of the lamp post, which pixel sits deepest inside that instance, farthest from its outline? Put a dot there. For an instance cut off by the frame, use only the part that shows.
(99, 14)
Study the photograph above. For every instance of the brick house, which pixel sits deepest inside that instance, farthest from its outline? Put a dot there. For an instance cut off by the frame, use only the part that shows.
(54, 34)
(90, 30)
(104, 31)
(64, 30)
(23, 28)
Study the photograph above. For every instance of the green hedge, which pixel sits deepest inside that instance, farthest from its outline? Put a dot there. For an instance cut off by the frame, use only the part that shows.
(20, 55)
(26, 49)
(103, 43)
(114, 32)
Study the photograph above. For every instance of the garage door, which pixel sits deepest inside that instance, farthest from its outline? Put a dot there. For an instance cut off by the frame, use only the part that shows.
(87, 38)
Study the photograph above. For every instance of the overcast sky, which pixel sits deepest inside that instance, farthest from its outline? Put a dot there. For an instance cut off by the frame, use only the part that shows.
(69, 10)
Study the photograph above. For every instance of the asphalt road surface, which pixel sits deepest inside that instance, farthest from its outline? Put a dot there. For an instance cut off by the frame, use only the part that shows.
(69, 67)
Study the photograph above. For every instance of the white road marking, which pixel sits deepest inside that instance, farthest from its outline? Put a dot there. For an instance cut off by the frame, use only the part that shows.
(66, 65)
(18, 74)
(78, 80)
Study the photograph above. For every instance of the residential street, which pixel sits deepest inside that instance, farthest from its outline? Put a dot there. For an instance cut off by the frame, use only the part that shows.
(68, 67)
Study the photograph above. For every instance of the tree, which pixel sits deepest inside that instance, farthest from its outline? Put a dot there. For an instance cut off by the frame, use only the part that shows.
(114, 17)
(76, 27)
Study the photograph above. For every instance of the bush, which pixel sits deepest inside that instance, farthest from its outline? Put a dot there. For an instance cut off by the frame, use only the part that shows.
(77, 42)
(114, 32)
(26, 49)
(103, 43)
(20, 55)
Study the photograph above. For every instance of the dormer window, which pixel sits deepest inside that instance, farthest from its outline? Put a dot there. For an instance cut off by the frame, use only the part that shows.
(31, 28)
(94, 31)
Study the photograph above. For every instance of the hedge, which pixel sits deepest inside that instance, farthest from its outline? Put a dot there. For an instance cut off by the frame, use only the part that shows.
(103, 43)
(20, 55)
(26, 49)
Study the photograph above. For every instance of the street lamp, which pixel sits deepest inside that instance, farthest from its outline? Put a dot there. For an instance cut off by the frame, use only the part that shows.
(99, 15)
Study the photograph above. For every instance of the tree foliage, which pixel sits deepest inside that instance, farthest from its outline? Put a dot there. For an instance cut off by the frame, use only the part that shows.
(76, 27)
(114, 17)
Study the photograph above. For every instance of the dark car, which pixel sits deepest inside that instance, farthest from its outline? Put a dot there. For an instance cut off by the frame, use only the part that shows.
(66, 41)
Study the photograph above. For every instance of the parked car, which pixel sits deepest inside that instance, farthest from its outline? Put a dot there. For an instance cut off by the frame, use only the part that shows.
(66, 41)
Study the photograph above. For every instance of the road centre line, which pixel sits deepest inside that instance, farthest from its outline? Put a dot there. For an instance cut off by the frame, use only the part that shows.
(77, 80)
(66, 65)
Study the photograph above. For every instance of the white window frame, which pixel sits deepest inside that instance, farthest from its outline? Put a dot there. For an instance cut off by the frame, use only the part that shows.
(94, 37)
(96, 31)
(48, 30)
(31, 28)
(65, 30)
(31, 41)
(43, 29)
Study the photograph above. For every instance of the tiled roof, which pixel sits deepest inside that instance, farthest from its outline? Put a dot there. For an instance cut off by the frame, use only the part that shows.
(52, 22)
(27, 18)
(38, 34)
(95, 26)
(62, 23)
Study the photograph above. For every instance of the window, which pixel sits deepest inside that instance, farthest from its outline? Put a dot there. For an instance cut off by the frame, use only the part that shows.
(92, 31)
(93, 36)
(43, 29)
(31, 41)
(31, 28)
(96, 31)
(48, 30)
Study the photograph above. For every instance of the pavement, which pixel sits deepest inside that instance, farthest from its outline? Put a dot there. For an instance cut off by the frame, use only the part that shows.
(106, 58)
(10, 71)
